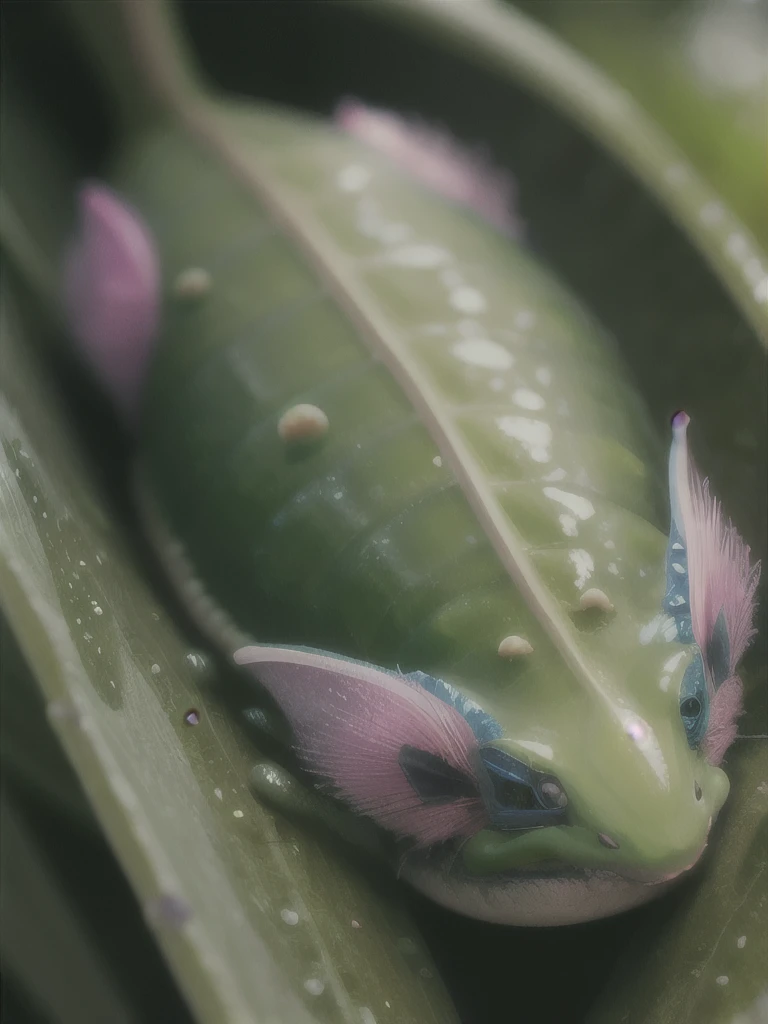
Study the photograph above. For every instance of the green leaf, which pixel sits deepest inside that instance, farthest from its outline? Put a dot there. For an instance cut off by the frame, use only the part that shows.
(42, 941)
(708, 963)
(257, 919)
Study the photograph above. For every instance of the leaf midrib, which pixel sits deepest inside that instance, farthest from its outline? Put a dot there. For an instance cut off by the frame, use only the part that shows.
(200, 118)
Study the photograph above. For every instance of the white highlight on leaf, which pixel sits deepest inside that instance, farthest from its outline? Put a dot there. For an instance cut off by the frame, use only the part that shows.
(314, 986)
(544, 376)
(569, 525)
(353, 178)
(527, 399)
(584, 565)
(669, 629)
(451, 278)
(542, 749)
(524, 320)
(645, 738)
(437, 461)
(669, 667)
(289, 916)
(485, 353)
(467, 300)
(613, 569)
(424, 257)
(556, 474)
(534, 435)
(581, 507)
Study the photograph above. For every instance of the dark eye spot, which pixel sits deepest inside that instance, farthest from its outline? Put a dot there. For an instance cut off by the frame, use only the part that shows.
(690, 707)
(432, 778)
(513, 794)
(697, 790)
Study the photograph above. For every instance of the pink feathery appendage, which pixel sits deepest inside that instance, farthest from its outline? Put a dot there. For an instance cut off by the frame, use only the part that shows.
(725, 709)
(437, 161)
(351, 721)
(111, 293)
(721, 579)
(721, 576)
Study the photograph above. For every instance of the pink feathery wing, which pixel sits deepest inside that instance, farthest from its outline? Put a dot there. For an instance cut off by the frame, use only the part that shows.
(722, 588)
(436, 160)
(370, 733)
(111, 287)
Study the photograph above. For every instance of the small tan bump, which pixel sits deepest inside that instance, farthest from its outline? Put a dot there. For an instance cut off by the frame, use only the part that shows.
(594, 598)
(192, 283)
(514, 646)
(303, 423)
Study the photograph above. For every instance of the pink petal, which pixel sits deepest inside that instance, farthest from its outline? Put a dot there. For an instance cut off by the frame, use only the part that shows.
(721, 579)
(437, 161)
(725, 709)
(720, 574)
(112, 293)
(351, 722)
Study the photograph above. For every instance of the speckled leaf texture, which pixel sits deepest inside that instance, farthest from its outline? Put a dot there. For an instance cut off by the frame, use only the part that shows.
(259, 919)
(256, 921)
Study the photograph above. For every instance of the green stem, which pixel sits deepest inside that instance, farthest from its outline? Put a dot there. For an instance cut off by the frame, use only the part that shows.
(139, 50)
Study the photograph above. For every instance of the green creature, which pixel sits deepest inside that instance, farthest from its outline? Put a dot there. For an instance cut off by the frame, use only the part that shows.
(368, 422)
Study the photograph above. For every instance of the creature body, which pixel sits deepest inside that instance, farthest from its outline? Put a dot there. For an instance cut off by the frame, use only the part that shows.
(532, 686)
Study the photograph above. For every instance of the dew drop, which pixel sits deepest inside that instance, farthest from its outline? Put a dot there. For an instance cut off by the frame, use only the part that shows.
(314, 986)
(289, 916)
(303, 423)
(594, 598)
(192, 717)
(467, 300)
(514, 646)
(192, 283)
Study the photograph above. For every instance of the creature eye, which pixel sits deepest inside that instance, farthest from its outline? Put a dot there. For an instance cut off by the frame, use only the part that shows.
(518, 796)
(512, 794)
(690, 707)
(694, 702)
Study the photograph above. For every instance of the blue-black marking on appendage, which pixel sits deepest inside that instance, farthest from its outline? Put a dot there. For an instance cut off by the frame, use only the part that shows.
(677, 599)
(694, 685)
(484, 726)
